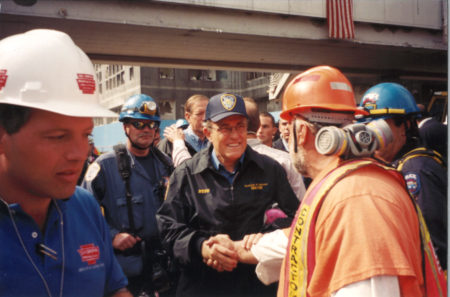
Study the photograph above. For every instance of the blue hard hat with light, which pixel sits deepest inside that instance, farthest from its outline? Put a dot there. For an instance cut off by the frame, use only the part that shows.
(386, 100)
(140, 107)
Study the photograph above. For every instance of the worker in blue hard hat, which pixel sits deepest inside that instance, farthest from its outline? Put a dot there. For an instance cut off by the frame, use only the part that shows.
(129, 183)
(424, 170)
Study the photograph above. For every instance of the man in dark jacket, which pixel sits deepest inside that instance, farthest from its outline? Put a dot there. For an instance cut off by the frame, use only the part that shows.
(222, 191)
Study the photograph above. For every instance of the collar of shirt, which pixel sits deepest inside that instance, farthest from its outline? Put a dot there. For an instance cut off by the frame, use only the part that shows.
(195, 141)
(221, 169)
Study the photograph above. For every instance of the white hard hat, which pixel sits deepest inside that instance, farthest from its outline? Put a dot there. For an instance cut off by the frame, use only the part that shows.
(44, 69)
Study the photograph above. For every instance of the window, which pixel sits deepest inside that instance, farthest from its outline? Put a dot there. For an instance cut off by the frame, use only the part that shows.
(196, 74)
(166, 73)
(255, 75)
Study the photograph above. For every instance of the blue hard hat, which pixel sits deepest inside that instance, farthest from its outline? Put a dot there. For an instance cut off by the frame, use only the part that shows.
(386, 100)
(140, 107)
(181, 123)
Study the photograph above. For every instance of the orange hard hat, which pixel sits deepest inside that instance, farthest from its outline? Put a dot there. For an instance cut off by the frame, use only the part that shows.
(321, 88)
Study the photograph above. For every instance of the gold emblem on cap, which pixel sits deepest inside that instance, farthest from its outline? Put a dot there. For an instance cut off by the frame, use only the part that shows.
(228, 101)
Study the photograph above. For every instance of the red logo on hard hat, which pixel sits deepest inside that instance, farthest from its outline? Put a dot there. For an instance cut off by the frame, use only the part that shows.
(3, 78)
(86, 83)
(89, 253)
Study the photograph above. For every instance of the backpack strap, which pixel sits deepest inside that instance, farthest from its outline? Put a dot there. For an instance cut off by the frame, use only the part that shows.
(167, 162)
(124, 165)
(165, 159)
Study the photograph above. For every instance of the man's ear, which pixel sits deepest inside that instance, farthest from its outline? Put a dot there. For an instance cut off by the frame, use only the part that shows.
(274, 131)
(302, 133)
(187, 116)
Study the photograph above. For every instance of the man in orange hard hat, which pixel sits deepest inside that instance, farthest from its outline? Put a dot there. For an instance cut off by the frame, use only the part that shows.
(357, 230)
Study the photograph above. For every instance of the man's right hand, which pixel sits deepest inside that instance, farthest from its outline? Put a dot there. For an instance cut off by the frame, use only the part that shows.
(124, 241)
(218, 252)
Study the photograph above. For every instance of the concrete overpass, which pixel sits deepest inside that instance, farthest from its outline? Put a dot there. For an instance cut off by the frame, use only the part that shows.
(282, 35)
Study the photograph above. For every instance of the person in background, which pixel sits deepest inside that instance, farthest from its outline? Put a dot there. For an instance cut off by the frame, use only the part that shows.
(129, 183)
(55, 241)
(433, 133)
(424, 170)
(295, 179)
(267, 128)
(221, 191)
(195, 140)
(282, 142)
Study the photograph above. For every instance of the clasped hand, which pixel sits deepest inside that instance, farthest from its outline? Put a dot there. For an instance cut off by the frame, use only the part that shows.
(223, 254)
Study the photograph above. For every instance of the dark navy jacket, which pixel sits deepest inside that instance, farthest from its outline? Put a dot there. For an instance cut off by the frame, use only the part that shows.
(105, 182)
(200, 202)
(426, 179)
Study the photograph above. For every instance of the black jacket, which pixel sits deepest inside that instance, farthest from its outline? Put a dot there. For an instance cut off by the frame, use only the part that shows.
(278, 144)
(200, 203)
(426, 178)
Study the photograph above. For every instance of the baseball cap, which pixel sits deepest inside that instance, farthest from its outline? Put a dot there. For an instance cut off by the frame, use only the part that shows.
(223, 105)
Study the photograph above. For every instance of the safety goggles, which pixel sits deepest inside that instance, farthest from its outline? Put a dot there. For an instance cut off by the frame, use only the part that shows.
(141, 125)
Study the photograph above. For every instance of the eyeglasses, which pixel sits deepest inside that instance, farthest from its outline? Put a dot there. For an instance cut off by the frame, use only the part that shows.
(141, 125)
(227, 130)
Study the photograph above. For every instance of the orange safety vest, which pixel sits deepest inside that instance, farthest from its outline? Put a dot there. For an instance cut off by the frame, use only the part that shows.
(300, 256)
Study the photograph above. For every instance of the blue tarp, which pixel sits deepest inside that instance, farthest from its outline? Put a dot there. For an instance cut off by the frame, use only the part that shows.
(106, 136)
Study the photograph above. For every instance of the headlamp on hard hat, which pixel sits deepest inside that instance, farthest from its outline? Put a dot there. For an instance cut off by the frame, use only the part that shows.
(148, 108)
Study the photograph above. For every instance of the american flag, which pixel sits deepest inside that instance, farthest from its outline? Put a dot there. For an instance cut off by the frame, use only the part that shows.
(340, 19)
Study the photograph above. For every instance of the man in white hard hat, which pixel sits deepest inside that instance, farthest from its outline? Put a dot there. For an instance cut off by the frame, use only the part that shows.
(55, 241)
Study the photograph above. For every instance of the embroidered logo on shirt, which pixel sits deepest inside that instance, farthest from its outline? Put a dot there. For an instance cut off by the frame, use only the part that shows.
(254, 187)
(89, 253)
(412, 183)
(203, 191)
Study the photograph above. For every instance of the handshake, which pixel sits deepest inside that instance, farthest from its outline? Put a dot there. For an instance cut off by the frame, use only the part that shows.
(223, 254)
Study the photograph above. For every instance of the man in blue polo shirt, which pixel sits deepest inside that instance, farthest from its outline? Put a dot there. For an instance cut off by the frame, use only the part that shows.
(55, 241)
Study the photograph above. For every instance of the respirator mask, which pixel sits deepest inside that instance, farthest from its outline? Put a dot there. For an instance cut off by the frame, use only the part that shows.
(354, 140)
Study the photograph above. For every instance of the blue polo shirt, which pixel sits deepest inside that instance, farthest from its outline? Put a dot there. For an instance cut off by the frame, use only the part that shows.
(221, 169)
(195, 141)
(90, 267)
